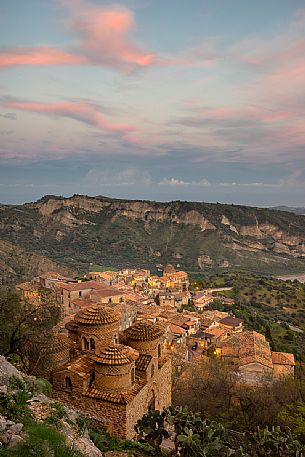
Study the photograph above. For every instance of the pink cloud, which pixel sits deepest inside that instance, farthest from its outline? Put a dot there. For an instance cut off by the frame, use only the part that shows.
(103, 35)
(38, 56)
(102, 38)
(249, 114)
(88, 113)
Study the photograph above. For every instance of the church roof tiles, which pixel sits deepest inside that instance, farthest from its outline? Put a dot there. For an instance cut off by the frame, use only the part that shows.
(144, 331)
(97, 315)
(112, 356)
(143, 362)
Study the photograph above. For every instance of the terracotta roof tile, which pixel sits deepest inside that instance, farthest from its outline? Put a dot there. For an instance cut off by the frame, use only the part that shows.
(144, 331)
(176, 329)
(106, 292)
(72, 326)
(143, 362)
(83, 366)
(122, 398)
(231, 321)
(249, 347)
(61, 342)
(97, 315)
(86, 285)
(112, 356)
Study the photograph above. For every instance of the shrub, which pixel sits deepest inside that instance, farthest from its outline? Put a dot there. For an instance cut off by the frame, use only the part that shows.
(43, 441)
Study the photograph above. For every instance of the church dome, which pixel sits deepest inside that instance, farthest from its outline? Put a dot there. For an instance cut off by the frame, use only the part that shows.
(112, 356)
(144, 331)
(97, 315)
(169, 269)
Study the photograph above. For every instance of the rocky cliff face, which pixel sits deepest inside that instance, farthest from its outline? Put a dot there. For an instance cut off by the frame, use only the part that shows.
(81, 230)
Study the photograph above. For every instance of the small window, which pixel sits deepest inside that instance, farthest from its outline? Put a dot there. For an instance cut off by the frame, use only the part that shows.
(159, 350)
(80, 293)
(84, 343)
(116, 339)
(133, 375)
(68, 384)
(92, 344)
(109, 301)
(152, 370)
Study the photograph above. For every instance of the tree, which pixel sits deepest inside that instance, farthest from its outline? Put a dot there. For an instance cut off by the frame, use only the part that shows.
(26, 329)
(207, 386)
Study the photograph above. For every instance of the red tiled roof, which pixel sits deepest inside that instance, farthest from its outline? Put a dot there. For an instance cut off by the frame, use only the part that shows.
(248, 347)
(216, 331)
(107, 292)
(176, 329)
(231, 321)
(83, 302)
(86, 285)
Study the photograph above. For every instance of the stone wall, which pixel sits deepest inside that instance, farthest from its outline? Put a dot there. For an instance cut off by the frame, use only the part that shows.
(104, 415)
(158, 389)
(282, 370)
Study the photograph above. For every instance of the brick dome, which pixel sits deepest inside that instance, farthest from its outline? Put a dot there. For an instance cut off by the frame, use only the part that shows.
(72, 326)
(97, 315)
(144, 331)
(112, 356)
(60, 343)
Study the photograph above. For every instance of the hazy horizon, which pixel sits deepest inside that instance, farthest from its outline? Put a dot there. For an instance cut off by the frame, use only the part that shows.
(21, 202)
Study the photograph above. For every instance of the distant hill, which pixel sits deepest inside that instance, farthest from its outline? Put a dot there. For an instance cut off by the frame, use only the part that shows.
(17, 264)
(300, 211)
(80, 230)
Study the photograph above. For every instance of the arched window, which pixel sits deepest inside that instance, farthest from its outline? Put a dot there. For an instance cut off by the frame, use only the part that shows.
(84, 343)
(152, 402)
(92, 344)
(133, 375)
(159, 350)
(68, 384)
(91, 379)
(109, 301)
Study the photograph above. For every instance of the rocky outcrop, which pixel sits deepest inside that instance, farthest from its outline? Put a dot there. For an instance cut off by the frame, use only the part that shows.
(81, 230)
(7, 370)
(41, 408)
(11, 433)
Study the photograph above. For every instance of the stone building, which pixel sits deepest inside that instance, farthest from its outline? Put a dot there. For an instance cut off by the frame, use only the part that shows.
(115, 377)
(249, 352)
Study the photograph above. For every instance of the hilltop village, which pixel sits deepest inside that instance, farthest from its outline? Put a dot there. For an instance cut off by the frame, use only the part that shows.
(123, 335)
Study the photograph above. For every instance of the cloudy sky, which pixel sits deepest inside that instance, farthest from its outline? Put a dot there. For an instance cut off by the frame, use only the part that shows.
(157, 99)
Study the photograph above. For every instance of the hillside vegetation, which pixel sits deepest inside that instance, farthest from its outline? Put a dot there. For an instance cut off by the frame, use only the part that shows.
(268, 305)
(80, 231)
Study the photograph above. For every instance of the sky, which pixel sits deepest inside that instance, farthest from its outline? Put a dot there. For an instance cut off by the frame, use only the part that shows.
(164, 100)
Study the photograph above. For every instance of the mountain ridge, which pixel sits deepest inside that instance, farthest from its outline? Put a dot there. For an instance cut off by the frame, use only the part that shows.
(80, 230)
